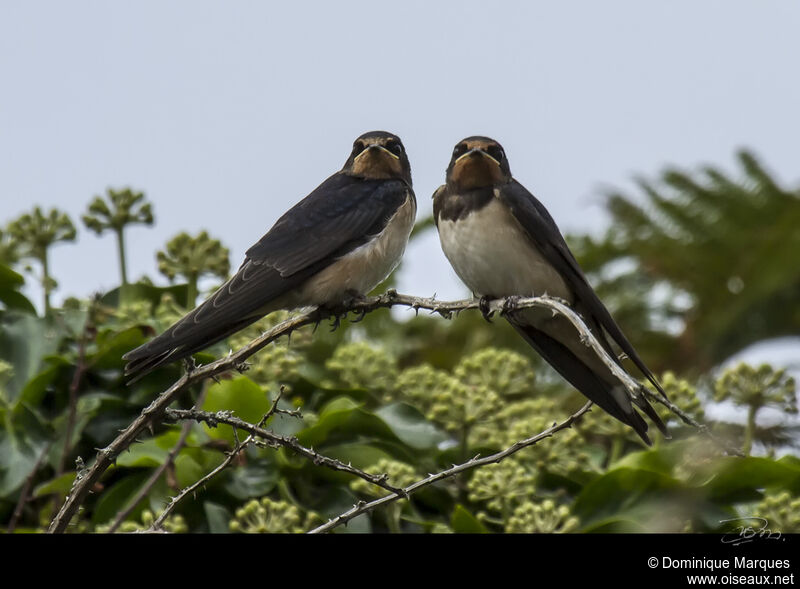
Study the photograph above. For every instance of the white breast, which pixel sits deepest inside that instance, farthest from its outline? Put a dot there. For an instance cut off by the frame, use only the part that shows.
(365, 267)
(490, 252)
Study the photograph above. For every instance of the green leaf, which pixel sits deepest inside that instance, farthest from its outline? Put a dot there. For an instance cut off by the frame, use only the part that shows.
(740, 479)
(658, 460)
(337, 500)
(335, 414)
(188, 468)
(59, 485)
(150, 453)
(115, 499)
(790, 461)
(242, 396)
(9, 278)
(218, 518)
(463, 522)
(144, 292)
(10, 283)
(615, 525)
(35, 389)
(24, 340)
(16, 301)
(359, 455)
(619, 490)
(256, 479)
(23, 438)
(411, 427)
(112, 345)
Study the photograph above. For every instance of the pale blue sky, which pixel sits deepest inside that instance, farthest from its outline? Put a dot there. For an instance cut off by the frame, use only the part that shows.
(227, 113)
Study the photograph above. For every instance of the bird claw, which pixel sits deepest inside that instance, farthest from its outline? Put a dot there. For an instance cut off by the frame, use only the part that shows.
(510, 304)
(189, 365)
(359, 316)
(355, 299)
(336, 320)
(485, 309)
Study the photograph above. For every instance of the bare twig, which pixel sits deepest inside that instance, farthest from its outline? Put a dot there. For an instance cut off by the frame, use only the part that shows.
(169, 461)
(278, 440)
(159, 521)
(24, 494)
(147, 487)
(363, 507)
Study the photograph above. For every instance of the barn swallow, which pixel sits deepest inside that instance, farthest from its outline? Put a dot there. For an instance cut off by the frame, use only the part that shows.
(338, 243)
(502, 242)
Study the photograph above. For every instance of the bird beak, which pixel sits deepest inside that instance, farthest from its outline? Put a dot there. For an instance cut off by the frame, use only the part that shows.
(476, 152)
(374, 147)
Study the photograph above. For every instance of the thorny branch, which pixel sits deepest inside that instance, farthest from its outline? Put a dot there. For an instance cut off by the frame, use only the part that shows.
(168, 462)
(276, 441)
(362, 507)
(159, 521)
(272, 439)
(86, 480)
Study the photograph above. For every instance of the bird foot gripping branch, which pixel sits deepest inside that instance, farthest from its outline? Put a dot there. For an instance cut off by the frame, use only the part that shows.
(484, 305)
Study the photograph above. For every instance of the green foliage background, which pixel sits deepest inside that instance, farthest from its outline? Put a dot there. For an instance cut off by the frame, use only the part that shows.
(709, 266)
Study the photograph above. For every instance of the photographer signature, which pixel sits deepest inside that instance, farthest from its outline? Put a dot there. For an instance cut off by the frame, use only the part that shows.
(749, 530)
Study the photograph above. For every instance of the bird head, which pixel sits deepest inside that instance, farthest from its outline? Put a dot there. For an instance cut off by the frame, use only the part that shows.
(378, 155)
(478, 162)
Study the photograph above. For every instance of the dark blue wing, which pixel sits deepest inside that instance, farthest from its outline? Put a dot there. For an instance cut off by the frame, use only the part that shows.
(337, 217)
(543, 232)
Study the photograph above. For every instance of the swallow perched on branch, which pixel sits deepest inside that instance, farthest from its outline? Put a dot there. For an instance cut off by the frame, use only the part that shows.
(336, 244)
(502, 242)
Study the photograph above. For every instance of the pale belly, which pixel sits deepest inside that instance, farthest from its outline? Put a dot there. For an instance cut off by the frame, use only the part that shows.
(362, 269)
(491, 254)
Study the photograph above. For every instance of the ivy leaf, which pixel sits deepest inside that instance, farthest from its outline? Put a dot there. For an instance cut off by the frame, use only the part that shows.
(411, 427)
(242, 396)
(463, 522)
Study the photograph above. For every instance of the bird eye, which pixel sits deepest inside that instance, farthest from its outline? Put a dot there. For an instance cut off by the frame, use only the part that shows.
(358, 147)
(460, 150)
(496, 152)
(395, 147)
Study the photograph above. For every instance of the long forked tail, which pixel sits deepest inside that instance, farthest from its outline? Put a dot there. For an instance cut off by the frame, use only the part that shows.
(609, 396)
(180, 341)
